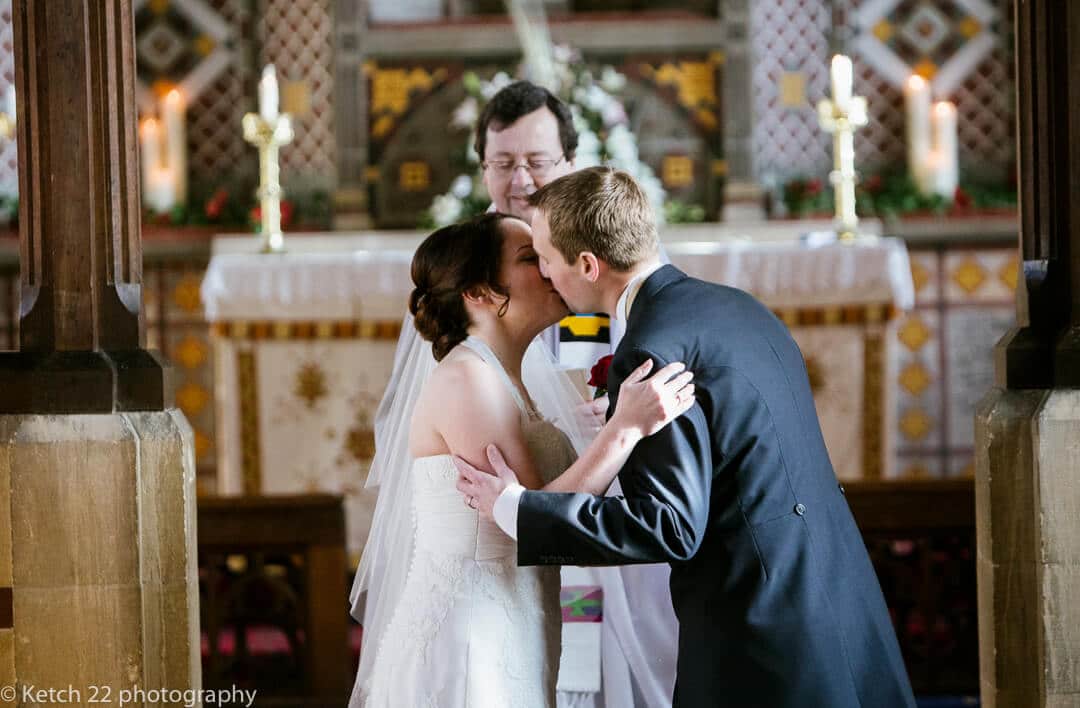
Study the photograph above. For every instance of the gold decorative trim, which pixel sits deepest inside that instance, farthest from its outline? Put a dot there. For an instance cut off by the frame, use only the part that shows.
(247, 382)
(873, 419)
(383, 330)
(836, 315)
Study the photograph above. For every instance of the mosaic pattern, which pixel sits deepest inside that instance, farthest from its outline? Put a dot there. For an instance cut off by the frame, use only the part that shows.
(790, 39)
(964, 303)
(298, 38)
(182, 43)
(965, 46)
(216, 147)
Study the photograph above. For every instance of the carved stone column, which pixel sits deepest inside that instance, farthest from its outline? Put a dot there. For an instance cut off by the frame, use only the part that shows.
(1027, 460)
(98, 576)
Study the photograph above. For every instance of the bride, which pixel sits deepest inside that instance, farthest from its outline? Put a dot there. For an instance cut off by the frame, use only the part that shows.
(449, 618)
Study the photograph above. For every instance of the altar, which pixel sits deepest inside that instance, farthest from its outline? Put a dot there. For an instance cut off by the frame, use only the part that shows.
(304, 344)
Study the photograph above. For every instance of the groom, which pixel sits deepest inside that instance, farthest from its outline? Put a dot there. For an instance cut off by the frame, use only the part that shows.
(777, 601)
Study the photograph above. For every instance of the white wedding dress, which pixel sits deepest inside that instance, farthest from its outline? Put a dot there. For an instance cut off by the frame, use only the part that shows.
(471, 628)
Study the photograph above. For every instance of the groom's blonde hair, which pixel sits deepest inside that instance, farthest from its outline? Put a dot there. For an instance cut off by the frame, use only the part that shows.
(602, 211)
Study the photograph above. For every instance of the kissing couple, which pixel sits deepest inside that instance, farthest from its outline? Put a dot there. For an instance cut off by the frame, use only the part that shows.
(488, 481)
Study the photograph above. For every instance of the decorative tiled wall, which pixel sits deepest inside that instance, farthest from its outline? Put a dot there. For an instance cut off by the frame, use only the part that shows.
(963, 46)
(203, 46)
(298, 38)
(964, 304)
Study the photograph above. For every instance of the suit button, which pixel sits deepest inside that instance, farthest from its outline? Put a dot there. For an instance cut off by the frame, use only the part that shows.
(800, 509)
(841, 488)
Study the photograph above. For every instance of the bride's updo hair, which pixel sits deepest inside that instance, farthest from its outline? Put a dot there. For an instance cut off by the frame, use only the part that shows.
(455, 260)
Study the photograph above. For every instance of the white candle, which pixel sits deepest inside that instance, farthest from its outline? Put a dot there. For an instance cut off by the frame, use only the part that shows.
(842, 78)
(946, 145)
(149, 150)
(268, 94)
(172, 111)
(160, 193)
(917, 103)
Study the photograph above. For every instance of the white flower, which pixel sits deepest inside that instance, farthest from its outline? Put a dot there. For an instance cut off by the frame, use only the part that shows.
(621, 145)
(462, 186)
(562, 54)
(497, 83)
(612, 80)
(445, 209)
(587, 142)
(596, 99)
(466, 114)
(586, 159)
(614, 114)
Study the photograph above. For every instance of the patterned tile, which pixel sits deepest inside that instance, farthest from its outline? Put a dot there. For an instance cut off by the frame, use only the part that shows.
(970, 336)
(181, 292)
(979, 80)
(917, 383)
(298, 38)
(925, 273)
(188, 348)
(789, 36)
(979, 276)
(216, 146)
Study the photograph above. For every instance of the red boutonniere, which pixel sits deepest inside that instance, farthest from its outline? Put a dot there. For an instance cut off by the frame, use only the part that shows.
(598, 375)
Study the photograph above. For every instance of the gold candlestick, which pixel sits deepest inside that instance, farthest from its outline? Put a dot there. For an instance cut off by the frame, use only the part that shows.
(268, 136)
(842, 122)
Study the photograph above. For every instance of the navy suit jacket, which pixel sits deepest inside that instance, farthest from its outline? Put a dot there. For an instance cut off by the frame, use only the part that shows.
(778, 604)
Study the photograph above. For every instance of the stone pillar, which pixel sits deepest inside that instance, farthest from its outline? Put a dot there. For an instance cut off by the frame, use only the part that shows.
(1027, 479)
(98, 569)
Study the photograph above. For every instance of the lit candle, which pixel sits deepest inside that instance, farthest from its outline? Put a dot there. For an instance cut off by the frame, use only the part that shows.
(268, 94)
(917, 103)
(842, 78)
(149, 150)
(160, 195)
(946, 145)
(172, 112)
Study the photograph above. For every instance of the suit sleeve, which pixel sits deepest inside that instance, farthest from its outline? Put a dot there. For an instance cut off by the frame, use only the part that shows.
(662, 516)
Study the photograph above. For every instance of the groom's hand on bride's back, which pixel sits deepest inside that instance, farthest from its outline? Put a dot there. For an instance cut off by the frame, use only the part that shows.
(480, 489)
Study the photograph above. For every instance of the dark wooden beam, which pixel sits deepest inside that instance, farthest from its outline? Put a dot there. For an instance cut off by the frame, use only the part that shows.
(82, 334)
(1044, 350)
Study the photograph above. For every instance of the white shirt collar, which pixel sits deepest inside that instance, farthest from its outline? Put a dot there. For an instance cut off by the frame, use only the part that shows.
(622, 313)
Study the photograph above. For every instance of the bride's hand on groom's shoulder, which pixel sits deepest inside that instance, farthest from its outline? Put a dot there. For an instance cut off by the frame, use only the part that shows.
(646, 405)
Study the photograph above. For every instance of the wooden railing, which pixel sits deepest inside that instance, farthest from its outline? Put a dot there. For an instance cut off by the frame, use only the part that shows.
(921, 539)
(276, 565)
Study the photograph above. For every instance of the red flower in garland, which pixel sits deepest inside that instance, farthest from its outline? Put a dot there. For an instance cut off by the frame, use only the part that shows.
(598, 376)
(216, 204)
(286, 214)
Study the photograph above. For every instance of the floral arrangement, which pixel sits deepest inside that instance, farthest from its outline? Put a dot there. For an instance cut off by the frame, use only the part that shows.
(894, 194)
(604, 138)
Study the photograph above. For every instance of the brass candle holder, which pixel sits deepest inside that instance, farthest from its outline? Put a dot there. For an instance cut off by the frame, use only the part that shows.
(842, 122)
(268, 137)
